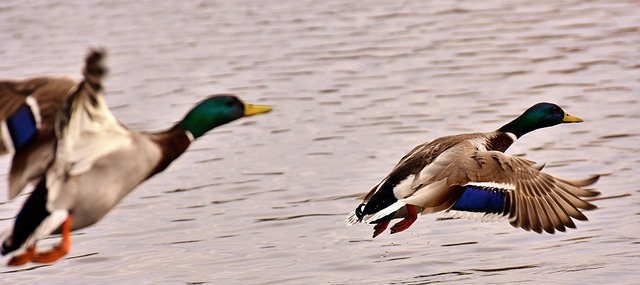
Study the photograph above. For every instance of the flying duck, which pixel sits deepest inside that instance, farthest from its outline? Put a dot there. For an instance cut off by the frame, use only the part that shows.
(98, 162)
(471, 176)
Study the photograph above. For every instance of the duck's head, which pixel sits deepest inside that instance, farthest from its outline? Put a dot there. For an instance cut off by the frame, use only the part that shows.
(218, 110)
(540, 115)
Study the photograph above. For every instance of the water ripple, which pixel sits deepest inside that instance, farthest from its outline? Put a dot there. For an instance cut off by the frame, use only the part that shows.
(355, 86)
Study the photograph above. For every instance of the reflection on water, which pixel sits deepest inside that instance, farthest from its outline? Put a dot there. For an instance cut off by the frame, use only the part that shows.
(355, 86)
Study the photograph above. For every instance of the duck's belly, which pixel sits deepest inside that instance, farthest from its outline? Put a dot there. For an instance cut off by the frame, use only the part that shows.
(97, 191)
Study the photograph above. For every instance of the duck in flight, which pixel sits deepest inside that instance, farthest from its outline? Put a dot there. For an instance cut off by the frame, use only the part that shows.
(470, 174)
(98, 162)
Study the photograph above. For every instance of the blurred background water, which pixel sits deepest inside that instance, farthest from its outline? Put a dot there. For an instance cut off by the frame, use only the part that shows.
(355, 85)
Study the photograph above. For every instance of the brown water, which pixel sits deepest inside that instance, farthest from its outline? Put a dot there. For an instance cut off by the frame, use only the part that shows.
(355, 86)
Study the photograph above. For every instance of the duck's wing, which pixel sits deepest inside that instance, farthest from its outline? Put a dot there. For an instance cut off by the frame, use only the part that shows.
(86, 131)
(13, 94)
(43, 96)
(26, 106)
(494, 183)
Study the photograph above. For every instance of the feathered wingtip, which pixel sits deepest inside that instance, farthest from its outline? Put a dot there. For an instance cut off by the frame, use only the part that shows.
(95, 69)
(576, 187)
(86, 90)
(581, 182)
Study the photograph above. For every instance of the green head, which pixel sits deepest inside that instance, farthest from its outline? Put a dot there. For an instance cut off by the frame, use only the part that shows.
(218, 110)
(539, 116)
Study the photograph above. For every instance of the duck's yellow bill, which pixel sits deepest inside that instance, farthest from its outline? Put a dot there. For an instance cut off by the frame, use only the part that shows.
(251, 109)
(571, 119)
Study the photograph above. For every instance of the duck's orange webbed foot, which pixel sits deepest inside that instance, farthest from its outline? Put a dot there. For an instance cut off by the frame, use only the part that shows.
(23, 258)
(408, 220)
(58, 250)
(51, 255)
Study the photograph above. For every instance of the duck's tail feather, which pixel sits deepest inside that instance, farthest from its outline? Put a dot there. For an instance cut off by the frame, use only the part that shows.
(352, 219)
(385, 212)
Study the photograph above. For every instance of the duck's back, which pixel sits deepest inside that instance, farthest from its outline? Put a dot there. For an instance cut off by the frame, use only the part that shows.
(398, 183)
(424, 154)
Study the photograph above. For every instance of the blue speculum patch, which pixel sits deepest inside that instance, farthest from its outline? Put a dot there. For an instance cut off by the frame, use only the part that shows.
(22, 126)
(481, 199)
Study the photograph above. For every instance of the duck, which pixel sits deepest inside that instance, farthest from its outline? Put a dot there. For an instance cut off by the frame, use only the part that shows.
(470, 176)
(98, 161)
(28, 108)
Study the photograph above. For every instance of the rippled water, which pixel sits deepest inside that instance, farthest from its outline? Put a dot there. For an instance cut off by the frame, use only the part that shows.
(355, 86)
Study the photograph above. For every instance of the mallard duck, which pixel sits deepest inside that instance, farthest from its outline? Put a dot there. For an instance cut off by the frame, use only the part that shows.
(98, 162)
(469, 173)
(27, 114)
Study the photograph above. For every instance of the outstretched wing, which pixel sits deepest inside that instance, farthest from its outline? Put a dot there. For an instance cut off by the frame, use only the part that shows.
(495, 183)
(86, 131)
(38, 100)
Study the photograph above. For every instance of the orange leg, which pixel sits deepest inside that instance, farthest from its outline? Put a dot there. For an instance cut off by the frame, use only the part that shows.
(408, 220)
(23, 258)
(379, 228)
(58, 250)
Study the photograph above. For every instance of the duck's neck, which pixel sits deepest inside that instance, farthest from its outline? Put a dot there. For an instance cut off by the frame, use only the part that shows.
(521, 125)
(500, 141)
(509, 133)
(173, 143)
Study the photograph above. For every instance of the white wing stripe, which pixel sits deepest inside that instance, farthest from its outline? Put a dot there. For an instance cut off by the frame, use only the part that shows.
(506, 186)
(35, 109)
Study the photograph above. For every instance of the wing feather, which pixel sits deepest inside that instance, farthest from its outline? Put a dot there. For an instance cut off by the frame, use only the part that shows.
(548, 220)
(553, 215)
(87, 131)
(50, 93)
(538, 201)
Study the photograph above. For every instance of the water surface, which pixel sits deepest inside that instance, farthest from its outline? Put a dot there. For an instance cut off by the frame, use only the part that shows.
(355, 86)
